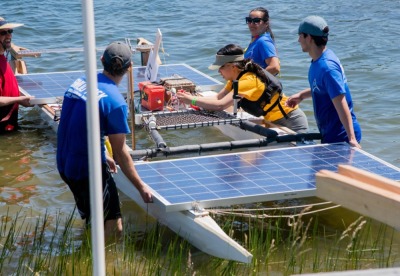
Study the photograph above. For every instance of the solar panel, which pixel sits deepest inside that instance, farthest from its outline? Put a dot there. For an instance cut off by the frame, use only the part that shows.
(47, 85)
(239, 178)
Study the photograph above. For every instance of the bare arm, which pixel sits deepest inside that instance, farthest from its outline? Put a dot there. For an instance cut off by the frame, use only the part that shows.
(221, 101)
(274, 66)
(22, 100)
(343, 111)
(295, 99)
(124, 160)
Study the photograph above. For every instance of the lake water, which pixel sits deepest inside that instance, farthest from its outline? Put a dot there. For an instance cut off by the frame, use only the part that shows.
(364, 35)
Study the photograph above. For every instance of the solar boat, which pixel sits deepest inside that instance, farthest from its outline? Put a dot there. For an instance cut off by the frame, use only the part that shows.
(275, 164)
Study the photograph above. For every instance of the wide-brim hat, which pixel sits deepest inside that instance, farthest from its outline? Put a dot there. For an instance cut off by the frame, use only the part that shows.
(222, 59)
(8, 25)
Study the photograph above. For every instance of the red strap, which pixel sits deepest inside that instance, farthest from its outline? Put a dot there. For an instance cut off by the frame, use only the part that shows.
(15, 107)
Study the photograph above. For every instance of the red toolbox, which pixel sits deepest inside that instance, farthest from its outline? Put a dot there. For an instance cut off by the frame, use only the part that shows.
(152, 95)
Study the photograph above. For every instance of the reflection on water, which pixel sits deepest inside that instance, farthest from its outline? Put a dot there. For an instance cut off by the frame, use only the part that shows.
(28, 175)
(21, 195)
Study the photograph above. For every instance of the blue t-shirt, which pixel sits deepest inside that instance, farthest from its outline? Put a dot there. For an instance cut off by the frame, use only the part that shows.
(261, 49)
(327, 81)
(72, 146)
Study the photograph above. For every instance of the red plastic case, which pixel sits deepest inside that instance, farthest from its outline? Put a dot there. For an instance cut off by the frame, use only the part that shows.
(152, 95)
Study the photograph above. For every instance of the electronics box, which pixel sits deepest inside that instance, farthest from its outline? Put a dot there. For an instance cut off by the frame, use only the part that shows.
(178, 83)
(152, 95)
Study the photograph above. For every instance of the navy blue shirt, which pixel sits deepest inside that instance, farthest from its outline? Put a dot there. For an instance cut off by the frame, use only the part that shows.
(72, 144)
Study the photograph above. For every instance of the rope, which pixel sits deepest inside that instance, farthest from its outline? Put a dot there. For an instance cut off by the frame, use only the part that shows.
(238, 212)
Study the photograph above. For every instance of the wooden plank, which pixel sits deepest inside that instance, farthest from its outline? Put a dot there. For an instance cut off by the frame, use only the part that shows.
(369, 200)
(17, 52)
(131, 103)
(369, 178)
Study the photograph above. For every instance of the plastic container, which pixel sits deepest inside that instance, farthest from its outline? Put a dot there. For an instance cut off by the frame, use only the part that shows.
(152, 95)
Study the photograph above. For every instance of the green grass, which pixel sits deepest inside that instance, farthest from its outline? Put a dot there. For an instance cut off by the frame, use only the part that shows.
(281, 245)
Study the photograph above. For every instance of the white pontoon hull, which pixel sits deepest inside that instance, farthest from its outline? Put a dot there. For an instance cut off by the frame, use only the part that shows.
(198, 228)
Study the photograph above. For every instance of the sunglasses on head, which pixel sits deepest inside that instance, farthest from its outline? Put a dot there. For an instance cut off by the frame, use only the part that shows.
(7, 32)
(255, 20)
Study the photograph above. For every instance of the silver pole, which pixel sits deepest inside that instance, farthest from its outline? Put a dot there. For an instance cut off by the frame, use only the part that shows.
(93, 128)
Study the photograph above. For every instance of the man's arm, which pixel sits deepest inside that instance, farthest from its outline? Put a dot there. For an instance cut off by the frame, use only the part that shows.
(22, 100)
(295, 99)
(343, 111)
(124, 160)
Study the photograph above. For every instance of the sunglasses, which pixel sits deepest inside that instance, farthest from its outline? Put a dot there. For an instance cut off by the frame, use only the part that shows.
(6, 32)
(255, 20)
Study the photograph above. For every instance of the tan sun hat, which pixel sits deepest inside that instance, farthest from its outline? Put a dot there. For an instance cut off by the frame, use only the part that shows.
(7, 25)
(222, 59)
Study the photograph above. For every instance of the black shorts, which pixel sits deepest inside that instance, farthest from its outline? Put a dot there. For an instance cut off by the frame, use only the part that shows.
(80, 190)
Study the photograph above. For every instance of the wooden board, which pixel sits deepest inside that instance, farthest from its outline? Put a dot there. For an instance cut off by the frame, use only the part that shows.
(368, 194)
(369, 178)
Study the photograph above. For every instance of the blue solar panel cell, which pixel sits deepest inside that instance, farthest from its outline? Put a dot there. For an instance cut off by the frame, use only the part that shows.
(47, 85)
(237, 178)
(178, 197)
(277, 189)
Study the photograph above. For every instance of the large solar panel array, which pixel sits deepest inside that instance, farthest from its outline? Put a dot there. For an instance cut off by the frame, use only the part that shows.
(48, 85)
(257, 176)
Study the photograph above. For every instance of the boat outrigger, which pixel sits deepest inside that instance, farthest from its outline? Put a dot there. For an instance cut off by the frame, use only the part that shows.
(263, 163)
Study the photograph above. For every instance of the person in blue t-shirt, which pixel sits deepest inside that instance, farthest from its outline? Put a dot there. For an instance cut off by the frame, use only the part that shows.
(72, 144)
(333, 104)
(262, 48)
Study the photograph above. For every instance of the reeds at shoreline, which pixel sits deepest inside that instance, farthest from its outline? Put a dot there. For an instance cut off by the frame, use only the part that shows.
(52, 245)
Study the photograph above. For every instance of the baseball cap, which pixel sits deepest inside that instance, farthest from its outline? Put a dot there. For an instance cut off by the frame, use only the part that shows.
(313, 25)
(118, 50)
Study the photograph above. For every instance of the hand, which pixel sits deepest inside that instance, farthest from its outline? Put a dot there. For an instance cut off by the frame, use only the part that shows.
(25, 101)
(293, 100)
(146, 194)
(111, 163)
(355, 144)
(184, 96)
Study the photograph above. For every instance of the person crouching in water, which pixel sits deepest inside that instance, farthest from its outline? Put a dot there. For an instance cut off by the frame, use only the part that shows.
(260, 92)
